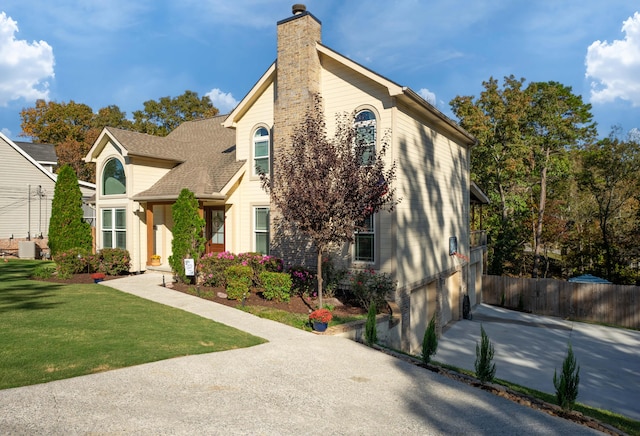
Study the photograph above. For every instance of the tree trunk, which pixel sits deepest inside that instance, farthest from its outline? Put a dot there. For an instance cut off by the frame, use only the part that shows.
(543, 201)
(319, 278)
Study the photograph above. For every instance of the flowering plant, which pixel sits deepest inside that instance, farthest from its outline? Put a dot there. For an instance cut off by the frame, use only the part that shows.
(320, 315)
(155, 257)
(97, 276)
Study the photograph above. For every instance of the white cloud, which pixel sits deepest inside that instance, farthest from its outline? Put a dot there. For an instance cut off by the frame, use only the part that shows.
(6, 132)
(616, 66)
(223, 101)
(428, 95)
(24, 67)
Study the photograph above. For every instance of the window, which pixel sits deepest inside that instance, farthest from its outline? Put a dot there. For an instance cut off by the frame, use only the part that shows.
(365, 125)
(261, 151)
(261, 229)
(114, 228)
(365, 242)
(114, 181)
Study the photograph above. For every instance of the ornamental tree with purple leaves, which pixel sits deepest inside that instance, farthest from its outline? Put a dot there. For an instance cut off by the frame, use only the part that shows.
(326, 187)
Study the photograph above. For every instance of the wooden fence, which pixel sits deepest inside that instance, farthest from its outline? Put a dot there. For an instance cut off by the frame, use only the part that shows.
(610, 304)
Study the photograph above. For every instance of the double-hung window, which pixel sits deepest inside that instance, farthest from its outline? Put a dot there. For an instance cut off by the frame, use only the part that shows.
(364, 250)
(261, 229)
(261, 151)
(114, 228)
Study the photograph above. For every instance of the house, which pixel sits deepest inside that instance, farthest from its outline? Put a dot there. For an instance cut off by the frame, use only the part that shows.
(424, 243)
(26, 193)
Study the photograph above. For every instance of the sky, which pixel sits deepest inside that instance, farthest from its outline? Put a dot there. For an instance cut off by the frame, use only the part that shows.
(126, 52)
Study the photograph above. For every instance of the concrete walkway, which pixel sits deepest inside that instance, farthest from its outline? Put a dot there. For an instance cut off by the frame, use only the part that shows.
(297, 383)
(528, 348)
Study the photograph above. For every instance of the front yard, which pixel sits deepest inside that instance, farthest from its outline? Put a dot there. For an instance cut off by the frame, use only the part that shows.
(51, 331)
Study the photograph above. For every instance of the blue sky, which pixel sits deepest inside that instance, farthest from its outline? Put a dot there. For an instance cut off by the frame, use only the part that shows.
(125, 52)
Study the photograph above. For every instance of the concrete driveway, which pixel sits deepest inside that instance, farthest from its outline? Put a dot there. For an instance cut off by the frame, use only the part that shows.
(529, 348)
(297, 383)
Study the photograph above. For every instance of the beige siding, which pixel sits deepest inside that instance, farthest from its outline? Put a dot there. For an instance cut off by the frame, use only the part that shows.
(249, 192)
(433, 183)
(145, 172)
(345, 91)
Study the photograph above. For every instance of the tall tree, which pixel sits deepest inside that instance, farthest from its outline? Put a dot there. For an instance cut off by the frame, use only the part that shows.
(67, 229)
(610, 169)
(497, 119)
(557, 119)
(188, 232)
(161, 117)
(321, 186)
(73, 128)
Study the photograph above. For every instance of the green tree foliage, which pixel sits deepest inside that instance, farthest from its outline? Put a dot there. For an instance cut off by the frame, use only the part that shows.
(188, 232)
(67, 228)
(74, 127)
(522, 162)
(485, 368)
(556, 120)
(430, 341)
(161, 117)
(609, 174)
(497, 120)
(567, 384)
(322, 188)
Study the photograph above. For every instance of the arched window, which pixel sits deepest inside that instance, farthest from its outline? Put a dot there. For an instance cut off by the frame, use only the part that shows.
(114, 181)
(366, 125)
(261, 151)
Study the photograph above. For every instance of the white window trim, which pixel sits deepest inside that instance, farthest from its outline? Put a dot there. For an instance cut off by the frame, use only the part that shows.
(100, 191)
(114, 231)
(254, 171)
(374, 232)
(255, 228)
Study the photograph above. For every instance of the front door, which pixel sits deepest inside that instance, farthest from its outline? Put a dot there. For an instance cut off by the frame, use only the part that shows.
(214, 229)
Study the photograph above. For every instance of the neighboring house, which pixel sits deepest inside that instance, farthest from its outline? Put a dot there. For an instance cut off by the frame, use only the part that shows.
(26, 192)
(139, 177)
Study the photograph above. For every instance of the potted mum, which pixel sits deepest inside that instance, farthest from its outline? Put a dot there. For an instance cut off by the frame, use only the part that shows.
(155, 260)
(320, 319)
(97, 277)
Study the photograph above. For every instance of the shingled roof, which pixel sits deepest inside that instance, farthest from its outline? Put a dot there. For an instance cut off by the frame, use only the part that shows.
(205, 151)
(41, 153)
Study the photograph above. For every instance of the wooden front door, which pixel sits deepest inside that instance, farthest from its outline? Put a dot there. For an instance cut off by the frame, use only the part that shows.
(214, 217)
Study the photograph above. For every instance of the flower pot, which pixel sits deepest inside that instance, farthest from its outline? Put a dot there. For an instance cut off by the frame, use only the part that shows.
(97, 280)
(155, 262)
(320, 326)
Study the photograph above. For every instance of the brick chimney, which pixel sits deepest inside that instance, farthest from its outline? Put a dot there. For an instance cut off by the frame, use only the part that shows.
(297, 80)
(298, 72)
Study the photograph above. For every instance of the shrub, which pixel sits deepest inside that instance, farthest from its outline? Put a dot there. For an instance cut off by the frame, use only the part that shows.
(276, 286)
(331, 276)
(238, 278)
(259, 263)
(72, 261)
(188, 229)
(370, 328)
(430, 341)
(302, 279)
(567, 385)
(43, 271)
(369, 287)
(485, 369)
(113, 261)
(212, 267)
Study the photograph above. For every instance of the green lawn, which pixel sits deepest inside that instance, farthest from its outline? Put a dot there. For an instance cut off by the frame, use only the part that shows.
(51, 331)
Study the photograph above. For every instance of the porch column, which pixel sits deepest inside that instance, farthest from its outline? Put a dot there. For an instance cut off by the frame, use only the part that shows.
(150, 233)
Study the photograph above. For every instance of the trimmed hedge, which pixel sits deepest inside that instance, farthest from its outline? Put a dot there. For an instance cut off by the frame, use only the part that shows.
(276, 286)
